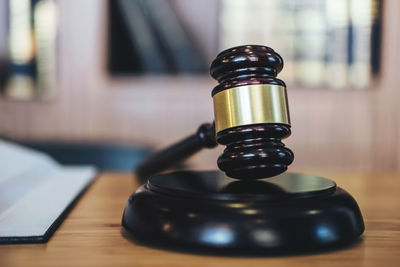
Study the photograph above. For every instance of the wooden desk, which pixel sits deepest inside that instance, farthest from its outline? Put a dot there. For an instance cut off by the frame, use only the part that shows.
(91, 234)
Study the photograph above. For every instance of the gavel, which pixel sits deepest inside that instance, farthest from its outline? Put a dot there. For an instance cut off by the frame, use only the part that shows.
(280, 212)
(251, 117)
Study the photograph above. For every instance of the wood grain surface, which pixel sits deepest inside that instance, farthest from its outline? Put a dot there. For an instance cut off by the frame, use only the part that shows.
(91, 234)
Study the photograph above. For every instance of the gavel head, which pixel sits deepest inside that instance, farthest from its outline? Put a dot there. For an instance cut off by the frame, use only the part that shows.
(251, 112)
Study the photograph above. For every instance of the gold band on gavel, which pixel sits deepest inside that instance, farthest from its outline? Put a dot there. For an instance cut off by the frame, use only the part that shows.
(251, 104)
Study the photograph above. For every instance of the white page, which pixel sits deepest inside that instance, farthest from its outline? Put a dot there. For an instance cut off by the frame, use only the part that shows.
(16, 159)
(35, 190)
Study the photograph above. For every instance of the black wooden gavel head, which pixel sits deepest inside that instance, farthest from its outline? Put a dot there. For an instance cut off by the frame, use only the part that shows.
(251, 112)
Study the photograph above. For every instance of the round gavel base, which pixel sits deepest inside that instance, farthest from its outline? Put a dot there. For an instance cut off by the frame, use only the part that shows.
(286, 213)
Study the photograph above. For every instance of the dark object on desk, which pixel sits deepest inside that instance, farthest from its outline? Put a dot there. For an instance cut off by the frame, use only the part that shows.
(251, 118)
(289, 212)
(251, 112)
(175, 154)
(274, 214)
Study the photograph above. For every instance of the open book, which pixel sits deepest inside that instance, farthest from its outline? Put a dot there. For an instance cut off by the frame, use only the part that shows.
(35, 193)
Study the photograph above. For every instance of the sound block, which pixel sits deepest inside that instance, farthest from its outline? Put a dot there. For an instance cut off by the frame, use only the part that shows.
(286, 213)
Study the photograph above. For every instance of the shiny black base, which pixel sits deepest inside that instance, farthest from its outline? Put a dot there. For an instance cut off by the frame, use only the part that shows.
(287, 213)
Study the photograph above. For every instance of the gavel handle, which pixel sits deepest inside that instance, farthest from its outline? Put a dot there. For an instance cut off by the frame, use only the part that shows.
(176, 153)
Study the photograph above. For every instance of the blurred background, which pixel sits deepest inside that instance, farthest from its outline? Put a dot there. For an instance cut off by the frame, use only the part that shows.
(110, 79)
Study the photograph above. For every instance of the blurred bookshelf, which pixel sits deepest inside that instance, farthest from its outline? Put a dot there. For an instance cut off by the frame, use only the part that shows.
(325, 43)
(28, 65)
(149, 37)
(92, 104)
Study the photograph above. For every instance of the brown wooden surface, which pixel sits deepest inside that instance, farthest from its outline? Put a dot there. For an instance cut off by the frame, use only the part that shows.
(91, 234)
